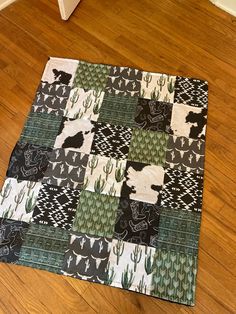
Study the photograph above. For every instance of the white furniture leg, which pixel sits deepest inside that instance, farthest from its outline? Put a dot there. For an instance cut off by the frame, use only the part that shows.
(67, 7)
(226, 5)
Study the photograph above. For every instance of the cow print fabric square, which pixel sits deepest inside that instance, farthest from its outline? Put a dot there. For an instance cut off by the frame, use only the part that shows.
(105, 182)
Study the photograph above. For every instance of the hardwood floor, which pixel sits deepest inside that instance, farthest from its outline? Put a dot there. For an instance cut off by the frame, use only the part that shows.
(182, 37)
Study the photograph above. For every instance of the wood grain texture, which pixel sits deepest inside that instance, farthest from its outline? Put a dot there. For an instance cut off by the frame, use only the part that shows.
(181, 37)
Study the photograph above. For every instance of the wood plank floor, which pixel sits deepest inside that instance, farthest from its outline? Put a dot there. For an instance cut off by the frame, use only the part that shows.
(181, 37)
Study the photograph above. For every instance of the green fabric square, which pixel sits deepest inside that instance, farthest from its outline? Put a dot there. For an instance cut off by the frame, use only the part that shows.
(41, 129)
(179, 230)
(91, 76)
(44, 247)
(96, 214)
(148, 147)
(174, 276)
(118, 110)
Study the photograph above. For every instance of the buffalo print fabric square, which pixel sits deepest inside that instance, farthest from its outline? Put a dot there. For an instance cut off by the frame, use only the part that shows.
(66, 168)
(87, 257)
(105, 182)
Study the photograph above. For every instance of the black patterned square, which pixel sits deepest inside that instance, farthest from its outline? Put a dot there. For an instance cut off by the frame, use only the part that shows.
(66, 168)
(87, 257)
(12, 234)
(192, 92)
(153, 115)
(56, 206)
(182, 190)
(51, 98)
(124, 81)
(185, 154)
(111, 140)
(28, 162)
(137, 222)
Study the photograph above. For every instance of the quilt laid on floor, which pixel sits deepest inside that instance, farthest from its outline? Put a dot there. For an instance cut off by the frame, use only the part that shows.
(105, 182)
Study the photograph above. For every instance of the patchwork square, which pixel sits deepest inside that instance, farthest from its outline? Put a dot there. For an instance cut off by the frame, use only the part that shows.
(91, 76)
(185, 154)
(60, 71)
(153, 115)
(104, 175)
(28, 162)
(51, 98)
(178, 231)
(118, 110)
(12, 234)
(148, 147)
(182, 190)
(174, 272)
(76, 135)
(56, 206)
(137, 222)
(44, 248)
(96, 214)
(41, 129)
(130, 266)
(188, 121)
(158, 86)
(84, 104)
(111, 140)
(143, 182)
(191, 92)
(124, 81)
(18, 199)
(66, 168)
(87, 257)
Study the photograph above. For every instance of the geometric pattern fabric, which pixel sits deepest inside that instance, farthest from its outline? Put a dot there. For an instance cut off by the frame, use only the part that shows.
(105, 182)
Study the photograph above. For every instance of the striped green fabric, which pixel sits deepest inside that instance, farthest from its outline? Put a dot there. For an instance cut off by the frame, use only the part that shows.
(41, 129)
(44, 247)
(118, 110)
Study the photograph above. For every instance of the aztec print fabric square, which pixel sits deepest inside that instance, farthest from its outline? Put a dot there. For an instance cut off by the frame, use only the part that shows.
(105, 182)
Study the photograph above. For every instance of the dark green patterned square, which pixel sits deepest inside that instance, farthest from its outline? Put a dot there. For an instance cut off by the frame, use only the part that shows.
(96, 214)
(174, 276)
(118, 110)
(148, 147)
(44, 247)
(41, 129)
(91, 76)
(178, 230)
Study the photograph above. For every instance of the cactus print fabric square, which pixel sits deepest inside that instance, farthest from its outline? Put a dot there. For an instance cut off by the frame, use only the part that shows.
(105, 183)
(87, 257)
(105, 175)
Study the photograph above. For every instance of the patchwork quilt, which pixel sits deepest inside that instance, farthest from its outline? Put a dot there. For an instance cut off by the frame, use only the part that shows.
(105, 182)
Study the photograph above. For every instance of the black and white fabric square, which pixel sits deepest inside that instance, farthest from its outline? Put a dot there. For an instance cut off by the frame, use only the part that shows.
(111, 140)
(56, 206)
